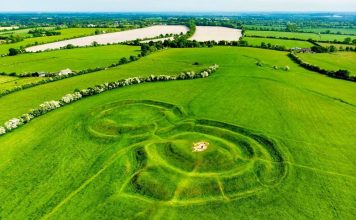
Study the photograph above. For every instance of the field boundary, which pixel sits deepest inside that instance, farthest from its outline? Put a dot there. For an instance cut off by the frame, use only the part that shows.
(339, 74)
(77, 95)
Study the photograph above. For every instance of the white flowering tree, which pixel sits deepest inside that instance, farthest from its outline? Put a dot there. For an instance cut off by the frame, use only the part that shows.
(69, 98)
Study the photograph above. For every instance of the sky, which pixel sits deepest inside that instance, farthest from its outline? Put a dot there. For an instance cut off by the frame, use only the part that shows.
(175, 5)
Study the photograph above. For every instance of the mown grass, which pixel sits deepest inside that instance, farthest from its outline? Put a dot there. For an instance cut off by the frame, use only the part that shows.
(287, 43)
(65, 34)
(303, 36)
(332, 61)
(74, 59)
(55, 168)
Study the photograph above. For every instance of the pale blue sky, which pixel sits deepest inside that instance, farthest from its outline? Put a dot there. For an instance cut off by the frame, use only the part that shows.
(178, 5)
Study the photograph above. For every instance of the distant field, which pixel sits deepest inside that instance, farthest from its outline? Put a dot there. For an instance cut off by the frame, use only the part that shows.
(66, 33)
(279, 28)
(9, 82)
(8, 28)
(332, 61)
(280, 143)
(332, 30)
(21, 32)
(129, 35)
(74, 59)
(337, 45)
(342, 30)
(287, 43)
(303, 36)
(209, 33)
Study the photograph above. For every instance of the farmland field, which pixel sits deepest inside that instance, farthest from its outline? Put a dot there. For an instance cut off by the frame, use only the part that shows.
(21, 32)
(303, 36)
(9, 82)
(332, 61)
(337, 45)
(177, 115)
(347, 30)
(273, 148)
(65, 34)
(208, 33)
(255, 41)
(141, 33)
(75, 59)
(8, 28)
(340, 30)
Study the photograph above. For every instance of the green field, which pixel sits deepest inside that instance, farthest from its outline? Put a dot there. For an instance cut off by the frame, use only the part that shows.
(280, 143)
(65, 34)
(74, 59)
(332, 30)
(21, 32)
(345, 30)
(337, 45)
(332, 61)
(287, 43)
(9, 82)
(303, 36)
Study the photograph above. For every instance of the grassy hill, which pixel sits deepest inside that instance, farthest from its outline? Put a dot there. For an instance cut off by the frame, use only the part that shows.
(279, 143)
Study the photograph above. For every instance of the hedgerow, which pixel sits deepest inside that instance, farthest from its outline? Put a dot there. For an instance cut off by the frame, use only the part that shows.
(340, 74)
(79, 94)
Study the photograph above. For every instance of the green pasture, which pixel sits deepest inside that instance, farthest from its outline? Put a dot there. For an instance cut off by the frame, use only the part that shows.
(280, 143)
(255, 41)
(337, 45)
(9, 82)
(75, 59)
(65, 34)
(346, 30)
(302, 36)
(332, 61)
(21, 32)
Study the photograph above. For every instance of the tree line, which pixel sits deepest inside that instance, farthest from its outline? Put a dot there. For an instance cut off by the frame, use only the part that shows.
(340, 74)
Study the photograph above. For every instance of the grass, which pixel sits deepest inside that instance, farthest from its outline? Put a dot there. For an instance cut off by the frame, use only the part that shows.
(332, 30)
(302, 36)
(9, 82)
(332, 61)
(74, 59)
(65, 34)
(21, 32)
(287, 43)
(337, 45)
(280, 144)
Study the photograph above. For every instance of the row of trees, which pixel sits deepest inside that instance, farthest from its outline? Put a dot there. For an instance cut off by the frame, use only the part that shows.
(273, 47)
(43, 32)
(147, 48)
(330, 49)
(49, 106)
(340, 74)
(52, 77)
